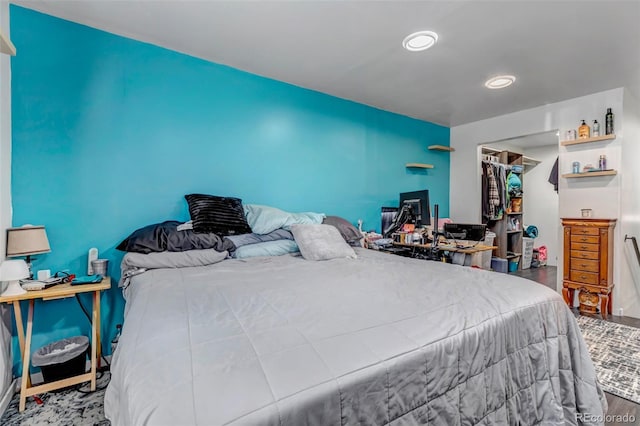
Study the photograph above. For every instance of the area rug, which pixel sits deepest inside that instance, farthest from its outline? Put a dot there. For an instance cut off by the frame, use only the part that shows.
(67, 407)
(615, 351)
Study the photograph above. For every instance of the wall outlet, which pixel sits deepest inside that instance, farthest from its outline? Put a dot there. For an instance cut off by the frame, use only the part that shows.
(620, 312)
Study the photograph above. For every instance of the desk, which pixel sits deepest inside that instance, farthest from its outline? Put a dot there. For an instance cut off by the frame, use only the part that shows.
(56, 292)
(450, 247)
(478, 255)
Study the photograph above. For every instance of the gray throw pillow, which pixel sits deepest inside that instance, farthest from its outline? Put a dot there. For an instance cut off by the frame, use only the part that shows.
(349, 232)
(321, 242)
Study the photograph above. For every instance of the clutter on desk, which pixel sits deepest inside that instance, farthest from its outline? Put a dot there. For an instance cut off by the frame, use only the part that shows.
(58, 278)
(87, 279)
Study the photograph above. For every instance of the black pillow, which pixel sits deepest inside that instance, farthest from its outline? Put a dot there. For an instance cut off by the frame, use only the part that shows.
(220, 215)
(165, 237)
(349, 232)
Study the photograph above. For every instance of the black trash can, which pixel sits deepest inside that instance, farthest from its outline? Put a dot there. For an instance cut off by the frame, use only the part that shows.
(62, 359)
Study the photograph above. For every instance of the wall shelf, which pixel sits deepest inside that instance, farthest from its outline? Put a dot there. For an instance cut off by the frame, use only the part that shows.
(441, 148)
(591, 174)
(419, 166)
(6, 46)
(488, 150)
(528, 161)
(588, 140)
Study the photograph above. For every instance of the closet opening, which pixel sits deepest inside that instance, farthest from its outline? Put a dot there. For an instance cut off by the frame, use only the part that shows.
(520, 201)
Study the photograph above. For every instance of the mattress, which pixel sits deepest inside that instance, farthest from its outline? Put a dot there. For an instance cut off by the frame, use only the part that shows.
(381, 339)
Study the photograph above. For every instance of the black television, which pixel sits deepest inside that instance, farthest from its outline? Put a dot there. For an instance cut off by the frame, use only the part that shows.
(419, 203)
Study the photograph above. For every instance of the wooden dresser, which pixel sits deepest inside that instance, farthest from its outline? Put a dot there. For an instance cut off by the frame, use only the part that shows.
(588, 263)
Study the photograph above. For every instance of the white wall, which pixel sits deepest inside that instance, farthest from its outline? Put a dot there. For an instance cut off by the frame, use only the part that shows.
(465, 170)
(628, 293)
(541, 205)
(603, 195)
(5, 206)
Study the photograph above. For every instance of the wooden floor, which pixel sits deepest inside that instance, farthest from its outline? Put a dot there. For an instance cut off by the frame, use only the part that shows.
(547, 275)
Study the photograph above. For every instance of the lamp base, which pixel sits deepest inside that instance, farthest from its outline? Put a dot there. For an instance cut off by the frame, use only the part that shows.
(13, 289)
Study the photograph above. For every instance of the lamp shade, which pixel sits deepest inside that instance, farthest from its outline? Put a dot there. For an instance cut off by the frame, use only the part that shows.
(12, 270)
(27, 240)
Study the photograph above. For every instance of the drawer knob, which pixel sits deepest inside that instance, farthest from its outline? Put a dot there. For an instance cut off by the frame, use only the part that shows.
(584, 239)
(584, 277)
(584, 247)
(584, 231)
(584, 255)
(583, 265)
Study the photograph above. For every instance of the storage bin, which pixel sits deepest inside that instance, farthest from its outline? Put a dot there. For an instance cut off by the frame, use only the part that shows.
(62, 359)
(527, 252)
(499, 265)
(513, 265)
(482, 259)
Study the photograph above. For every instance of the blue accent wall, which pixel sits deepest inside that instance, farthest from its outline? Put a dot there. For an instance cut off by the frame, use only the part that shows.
(110, 133)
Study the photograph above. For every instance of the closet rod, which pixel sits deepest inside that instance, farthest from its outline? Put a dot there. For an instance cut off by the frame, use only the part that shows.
(506, 166)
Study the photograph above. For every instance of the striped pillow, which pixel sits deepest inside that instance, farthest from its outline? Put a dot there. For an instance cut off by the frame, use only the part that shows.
(219, 215)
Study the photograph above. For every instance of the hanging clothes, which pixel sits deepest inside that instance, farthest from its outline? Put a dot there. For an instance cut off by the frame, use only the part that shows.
(494, 190)
(494, 195)
(502, 188)
(553, 177)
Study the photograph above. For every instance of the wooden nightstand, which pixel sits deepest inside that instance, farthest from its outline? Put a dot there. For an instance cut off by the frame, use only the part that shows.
(56, 292)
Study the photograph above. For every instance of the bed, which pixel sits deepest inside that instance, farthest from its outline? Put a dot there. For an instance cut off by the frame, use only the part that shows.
(379, 339)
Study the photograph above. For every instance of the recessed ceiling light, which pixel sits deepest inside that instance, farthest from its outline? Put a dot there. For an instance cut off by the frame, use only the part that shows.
(422, 40)
(500, 82)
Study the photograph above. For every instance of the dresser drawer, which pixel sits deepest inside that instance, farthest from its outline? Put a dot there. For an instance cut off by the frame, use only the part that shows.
(584, 277)
(592, 255)
(579, 230)
(585, 239)
(585, 247)
(585, 265)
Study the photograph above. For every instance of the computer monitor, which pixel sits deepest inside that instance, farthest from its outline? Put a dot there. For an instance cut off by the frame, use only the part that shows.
(419, 203)
(465, 231)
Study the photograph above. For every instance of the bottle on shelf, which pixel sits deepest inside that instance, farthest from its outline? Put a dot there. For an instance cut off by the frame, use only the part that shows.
(602, 164)
(583, 130)
(608, 122)
(595, 128)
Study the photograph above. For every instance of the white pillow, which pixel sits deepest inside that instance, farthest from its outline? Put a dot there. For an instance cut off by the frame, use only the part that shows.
(321, 242)
(265, 219)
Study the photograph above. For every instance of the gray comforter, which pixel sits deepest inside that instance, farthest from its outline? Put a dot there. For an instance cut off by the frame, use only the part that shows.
(376, 340)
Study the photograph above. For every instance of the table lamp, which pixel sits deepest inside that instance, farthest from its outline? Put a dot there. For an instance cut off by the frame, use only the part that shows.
(13, 271)
(26, 241)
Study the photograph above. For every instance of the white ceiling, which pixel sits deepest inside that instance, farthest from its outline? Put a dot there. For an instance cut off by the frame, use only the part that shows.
(352, 49)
